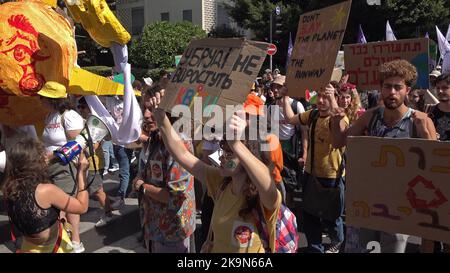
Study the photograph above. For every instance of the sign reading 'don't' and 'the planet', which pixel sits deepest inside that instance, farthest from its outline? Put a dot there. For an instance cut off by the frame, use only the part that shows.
(318, 39)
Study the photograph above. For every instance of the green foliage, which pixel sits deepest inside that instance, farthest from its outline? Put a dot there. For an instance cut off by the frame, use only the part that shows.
(141, 73)
(409, 19)
(224, 32)
(85, 43)
(104, 71)
(161, 41)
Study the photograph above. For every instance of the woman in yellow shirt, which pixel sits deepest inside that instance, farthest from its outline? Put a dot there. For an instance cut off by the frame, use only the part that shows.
(241, 185)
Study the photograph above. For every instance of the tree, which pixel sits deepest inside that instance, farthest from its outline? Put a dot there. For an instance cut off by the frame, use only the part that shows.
(159, 42)
(409, 19)
(224, 32)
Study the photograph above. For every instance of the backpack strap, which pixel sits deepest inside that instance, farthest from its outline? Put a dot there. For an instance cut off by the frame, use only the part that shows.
(294, 106)
(11, 225)
(59, 239)
(261, 226)
(313, 117)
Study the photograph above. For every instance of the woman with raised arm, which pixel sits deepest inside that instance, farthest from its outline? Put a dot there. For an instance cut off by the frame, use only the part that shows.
(34, 203)
(240, 186)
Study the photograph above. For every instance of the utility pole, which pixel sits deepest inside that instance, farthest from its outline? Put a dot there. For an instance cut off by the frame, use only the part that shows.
(271, 23)
(275, 25)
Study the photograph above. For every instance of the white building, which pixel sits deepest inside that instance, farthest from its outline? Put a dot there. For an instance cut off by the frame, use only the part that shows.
(135, 14)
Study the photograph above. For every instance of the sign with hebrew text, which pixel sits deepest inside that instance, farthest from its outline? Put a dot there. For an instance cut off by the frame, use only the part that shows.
(399, 186)
(220, 71)
(362, 61)
(318, 40)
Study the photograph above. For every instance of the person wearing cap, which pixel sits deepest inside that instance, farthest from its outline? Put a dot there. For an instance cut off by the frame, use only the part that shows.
(267, 78)
(292, 137)
(62, 124)
(433, 76)
(286, 130)
(239, 185)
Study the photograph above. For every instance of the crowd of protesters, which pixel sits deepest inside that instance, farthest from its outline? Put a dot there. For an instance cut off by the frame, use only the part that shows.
(176, 180)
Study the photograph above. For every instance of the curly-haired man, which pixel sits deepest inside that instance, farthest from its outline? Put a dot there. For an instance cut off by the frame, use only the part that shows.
(392, 120)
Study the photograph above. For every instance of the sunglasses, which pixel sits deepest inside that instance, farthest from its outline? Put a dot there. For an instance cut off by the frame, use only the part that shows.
(82, 106)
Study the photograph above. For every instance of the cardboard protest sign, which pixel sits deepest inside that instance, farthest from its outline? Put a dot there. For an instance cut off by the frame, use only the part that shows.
(319, 37)
(362, 61)
(220, 71)
(399, 186)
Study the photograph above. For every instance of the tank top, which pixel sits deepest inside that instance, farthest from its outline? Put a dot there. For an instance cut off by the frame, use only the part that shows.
(28, 216)
(403, 129)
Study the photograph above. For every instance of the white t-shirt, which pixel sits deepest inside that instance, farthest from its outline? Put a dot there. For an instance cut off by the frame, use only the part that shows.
(54, 135)
(287, 130)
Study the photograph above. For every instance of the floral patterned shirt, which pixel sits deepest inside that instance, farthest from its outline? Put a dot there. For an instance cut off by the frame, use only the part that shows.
(174, 221)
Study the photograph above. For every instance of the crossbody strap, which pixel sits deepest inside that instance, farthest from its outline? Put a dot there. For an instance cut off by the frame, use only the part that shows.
(261, 226)
(59, 239)
(313, 121)
(313, 117)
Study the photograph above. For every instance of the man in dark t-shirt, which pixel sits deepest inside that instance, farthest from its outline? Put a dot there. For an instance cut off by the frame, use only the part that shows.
(440, 113)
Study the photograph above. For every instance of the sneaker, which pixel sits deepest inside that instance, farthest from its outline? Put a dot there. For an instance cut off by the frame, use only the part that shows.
(105, 172)
(104, 220)
(333, 248)
(116, 205)
(77, 247)
(113, 169)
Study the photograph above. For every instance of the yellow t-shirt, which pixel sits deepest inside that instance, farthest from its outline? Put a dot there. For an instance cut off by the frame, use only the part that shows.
(326, 158)
(99, 160)
(233, 234)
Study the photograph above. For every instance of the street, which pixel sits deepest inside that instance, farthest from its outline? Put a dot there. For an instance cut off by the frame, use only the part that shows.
(122, 235)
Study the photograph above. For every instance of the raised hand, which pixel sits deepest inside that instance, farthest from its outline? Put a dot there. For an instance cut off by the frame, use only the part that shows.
(236, 125)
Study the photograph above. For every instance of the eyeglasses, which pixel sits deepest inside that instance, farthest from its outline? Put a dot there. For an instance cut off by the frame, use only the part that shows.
(397, 87)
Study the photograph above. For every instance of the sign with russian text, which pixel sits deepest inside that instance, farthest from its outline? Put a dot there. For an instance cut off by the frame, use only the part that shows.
(319, 37)
(399, 186)
(362, 61)
(220, 71)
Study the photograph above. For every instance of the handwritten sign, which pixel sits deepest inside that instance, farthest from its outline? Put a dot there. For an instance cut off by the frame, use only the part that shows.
(399, 186)
(319, 37)
(362, 61)
(220, 71)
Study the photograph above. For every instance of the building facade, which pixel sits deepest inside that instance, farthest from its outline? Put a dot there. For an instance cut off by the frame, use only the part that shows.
(135, 14)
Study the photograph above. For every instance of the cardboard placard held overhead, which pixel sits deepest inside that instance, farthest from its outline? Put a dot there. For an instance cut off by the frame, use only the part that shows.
(319, 37)
(399, 186)
(362, 61)
(220, 71)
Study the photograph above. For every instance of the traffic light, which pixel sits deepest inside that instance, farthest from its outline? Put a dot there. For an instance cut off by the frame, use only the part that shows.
(276, 24)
